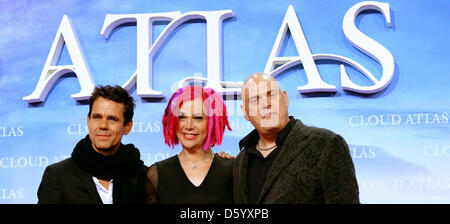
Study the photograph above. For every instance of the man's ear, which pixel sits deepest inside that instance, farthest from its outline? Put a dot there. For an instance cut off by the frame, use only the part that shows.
(286, 98)
(244, 112)
(128, 127)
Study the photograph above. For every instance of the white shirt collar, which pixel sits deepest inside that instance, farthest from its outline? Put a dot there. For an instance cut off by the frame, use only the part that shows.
(105, 195)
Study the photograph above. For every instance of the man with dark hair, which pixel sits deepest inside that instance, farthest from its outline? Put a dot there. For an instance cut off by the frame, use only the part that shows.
(283, 160)
(101, 168)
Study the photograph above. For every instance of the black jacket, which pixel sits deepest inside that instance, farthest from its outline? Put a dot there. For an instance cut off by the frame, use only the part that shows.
(65, 183)
(313, 166)
(70, 181)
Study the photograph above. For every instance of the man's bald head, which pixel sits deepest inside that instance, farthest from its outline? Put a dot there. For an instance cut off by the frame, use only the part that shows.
(256, 79)
(259, 76)
(264, 104)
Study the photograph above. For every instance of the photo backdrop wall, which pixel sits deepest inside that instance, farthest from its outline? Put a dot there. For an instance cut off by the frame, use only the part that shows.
(376, 73)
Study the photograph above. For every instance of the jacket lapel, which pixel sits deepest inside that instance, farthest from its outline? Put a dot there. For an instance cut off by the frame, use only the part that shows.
(291, 147)
(87, 180)
(241, 180)
(93, 191)
(240, 173)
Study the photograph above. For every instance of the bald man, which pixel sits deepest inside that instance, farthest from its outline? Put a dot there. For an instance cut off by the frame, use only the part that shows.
(283, 160)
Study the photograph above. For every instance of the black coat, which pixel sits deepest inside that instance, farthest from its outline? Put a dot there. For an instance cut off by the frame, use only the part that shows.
(313, 166)
(66, 183)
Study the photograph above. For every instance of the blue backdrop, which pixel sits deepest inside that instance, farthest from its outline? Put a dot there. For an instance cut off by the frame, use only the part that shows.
(398, 137)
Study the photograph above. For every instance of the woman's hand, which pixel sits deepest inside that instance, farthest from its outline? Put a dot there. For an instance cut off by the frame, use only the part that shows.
(225, 155)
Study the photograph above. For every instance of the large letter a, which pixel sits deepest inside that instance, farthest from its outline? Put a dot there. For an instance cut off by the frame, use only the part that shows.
(52, 72)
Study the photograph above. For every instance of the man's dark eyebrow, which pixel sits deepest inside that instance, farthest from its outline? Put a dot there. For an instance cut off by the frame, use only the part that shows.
(113, 117)
(96, 114)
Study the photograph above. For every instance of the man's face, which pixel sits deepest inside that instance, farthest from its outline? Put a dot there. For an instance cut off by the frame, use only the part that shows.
(266, 107)
(106, 125)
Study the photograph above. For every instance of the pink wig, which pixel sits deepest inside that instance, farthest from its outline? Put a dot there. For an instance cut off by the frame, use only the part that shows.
(216, 113)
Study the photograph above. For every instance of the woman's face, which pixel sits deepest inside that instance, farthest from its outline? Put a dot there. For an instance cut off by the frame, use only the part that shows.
(193, 125)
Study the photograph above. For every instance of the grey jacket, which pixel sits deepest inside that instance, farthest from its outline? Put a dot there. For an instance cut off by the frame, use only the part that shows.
(313, 166)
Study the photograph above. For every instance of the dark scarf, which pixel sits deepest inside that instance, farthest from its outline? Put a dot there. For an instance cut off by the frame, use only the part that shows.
(124, 166)
(122, 163)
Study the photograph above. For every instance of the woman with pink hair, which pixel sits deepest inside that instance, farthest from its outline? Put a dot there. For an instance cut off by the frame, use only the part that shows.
(196, 117)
